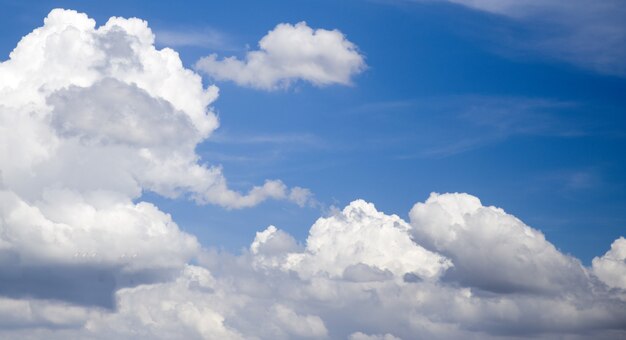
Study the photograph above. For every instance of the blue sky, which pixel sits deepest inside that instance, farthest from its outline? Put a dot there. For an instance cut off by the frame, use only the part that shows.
(450, 102)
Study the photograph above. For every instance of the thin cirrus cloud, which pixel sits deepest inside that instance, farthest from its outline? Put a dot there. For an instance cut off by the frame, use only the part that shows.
(82, 259)
(205, 38)
(287, 54)
(481, 121)
(590, 34)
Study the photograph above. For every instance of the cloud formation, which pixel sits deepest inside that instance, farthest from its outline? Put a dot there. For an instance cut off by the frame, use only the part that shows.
(611, 267)
(289, 53)
(491, 249)
(83, 257)
(102, 109)
(90, 118)
(382, 285)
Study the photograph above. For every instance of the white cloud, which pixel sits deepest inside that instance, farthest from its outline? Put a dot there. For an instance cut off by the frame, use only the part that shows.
(307, 326)
(363, 243)
(91, 117)
(585, 33)
(363, 336)
(491, 249)
(65, 227)
(611, 267)
(102, 109)
(287, 54)
(112, 112)
(271, 247)
(82, 248)
(230, 296)
(184, 308)
(24, 313)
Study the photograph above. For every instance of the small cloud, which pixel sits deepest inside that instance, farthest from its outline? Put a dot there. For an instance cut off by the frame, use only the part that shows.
(301, 196)
(287, 54)
(205, 38)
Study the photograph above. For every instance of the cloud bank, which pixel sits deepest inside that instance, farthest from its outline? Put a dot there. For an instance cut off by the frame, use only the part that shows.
(289, 53)
(90, 118)
(362, 274)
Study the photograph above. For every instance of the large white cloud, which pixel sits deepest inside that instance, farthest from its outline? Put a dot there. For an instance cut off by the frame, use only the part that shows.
(90, 118)
(289, 53)
(611, 267)
(256, 295)
(88, 108)
(361, 244)
(491, 249)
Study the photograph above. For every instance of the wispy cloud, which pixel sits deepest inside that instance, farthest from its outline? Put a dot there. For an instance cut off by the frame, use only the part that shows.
(571, 180)
(195, 37)
(384, 106)
(300, 139)
(451, 125)
(449, 148)
(590, 34)
(508, 116)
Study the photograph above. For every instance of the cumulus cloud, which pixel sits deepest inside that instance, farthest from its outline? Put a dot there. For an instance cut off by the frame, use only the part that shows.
(287, 54)
(270, 291)
(588, 34)
(90, 118)
(76, 248)
(611, 267)
(363, 243)
(102, 109)
(491, 249)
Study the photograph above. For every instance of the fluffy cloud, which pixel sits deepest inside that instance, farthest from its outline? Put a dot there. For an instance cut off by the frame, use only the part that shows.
(611, 267)
(364, 244)
(181, 308)
(91, 117)
(491, 249)
(289, 53)
(266, 294)
(88, 108)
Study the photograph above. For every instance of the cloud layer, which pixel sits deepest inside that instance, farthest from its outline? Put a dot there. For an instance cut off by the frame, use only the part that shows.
(360, 275)
(91, 117)
(289, 53)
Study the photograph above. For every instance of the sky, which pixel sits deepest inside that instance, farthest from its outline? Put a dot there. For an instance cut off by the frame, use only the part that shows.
(313, 169)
